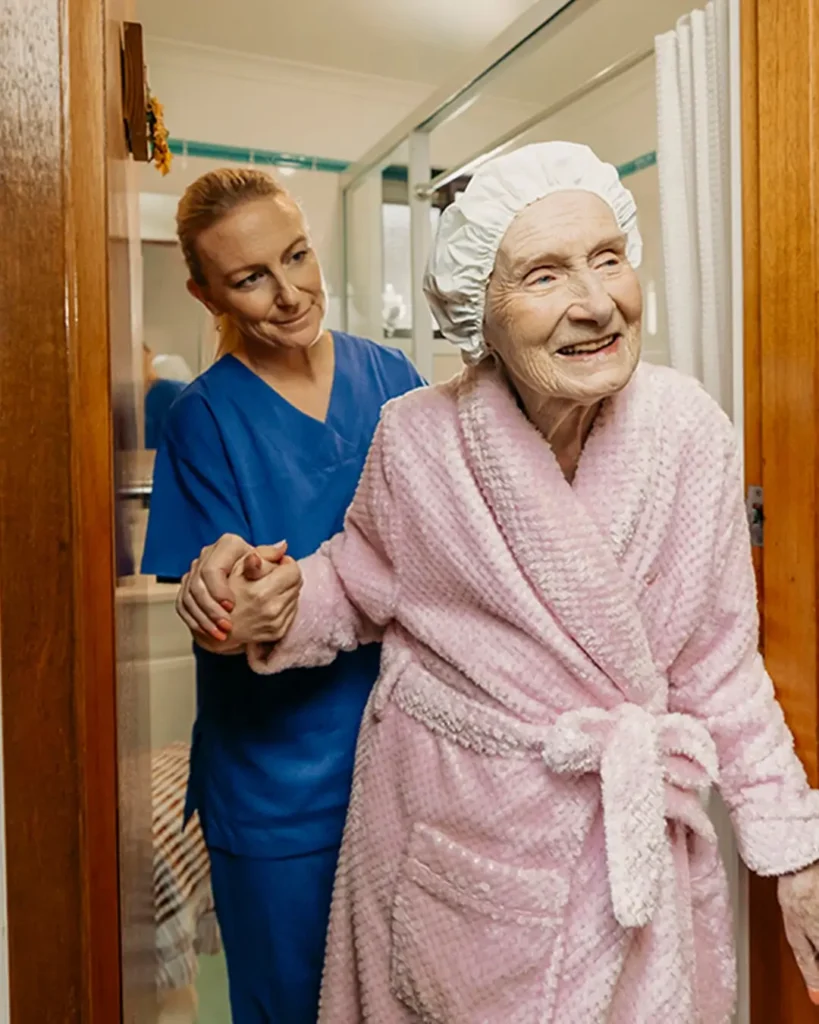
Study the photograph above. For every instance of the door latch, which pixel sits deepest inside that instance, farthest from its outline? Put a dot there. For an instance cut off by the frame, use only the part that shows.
(756, 515)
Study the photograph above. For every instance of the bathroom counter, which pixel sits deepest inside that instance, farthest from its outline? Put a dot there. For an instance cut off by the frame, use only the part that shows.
(170, 672)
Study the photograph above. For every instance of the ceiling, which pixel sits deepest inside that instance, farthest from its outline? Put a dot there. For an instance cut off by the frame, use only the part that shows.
(415, 40)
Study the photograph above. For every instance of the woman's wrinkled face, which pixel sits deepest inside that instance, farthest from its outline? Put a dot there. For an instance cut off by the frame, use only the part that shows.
(263, 273)
(563, 305)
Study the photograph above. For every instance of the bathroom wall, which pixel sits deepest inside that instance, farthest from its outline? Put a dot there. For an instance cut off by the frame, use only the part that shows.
(221, 97)
(216, 96)
(617, 120)
(171, 320)
(226, 98)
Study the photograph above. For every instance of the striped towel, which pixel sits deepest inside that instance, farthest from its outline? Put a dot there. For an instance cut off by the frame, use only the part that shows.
(183, 903)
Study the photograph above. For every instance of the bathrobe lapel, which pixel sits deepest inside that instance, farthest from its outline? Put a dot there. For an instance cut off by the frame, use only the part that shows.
(569, 541)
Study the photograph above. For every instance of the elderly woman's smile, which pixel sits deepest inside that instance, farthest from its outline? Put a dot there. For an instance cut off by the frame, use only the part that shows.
(563, 306)
(589, 349)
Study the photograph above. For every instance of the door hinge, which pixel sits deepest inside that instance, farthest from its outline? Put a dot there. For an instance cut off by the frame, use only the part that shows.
(756, 515)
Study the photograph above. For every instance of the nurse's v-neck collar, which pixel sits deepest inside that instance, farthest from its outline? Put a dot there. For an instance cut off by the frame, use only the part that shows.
(286, 402)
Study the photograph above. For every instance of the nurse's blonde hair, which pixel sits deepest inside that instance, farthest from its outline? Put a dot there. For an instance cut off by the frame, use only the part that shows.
(206, 202)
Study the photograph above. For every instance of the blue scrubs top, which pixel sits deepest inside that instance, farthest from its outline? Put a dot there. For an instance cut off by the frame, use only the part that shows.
(272, 758)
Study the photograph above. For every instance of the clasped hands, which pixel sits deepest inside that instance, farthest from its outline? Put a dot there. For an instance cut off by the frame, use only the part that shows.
(235, 594)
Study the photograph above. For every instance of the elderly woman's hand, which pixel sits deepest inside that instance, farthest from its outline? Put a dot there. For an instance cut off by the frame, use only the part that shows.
(205, 599)
(267, 597)
(799, 899)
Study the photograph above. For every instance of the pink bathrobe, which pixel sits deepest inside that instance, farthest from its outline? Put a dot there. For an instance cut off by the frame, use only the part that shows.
(566, 671)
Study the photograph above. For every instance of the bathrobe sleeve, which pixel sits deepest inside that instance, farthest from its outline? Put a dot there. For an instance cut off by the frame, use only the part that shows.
(719, 677)
(350, 583)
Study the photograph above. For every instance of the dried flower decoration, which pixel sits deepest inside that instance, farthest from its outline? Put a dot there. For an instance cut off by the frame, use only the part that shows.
(158, 134)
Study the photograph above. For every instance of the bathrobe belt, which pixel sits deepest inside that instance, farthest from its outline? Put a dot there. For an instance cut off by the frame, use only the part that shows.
(654, 767)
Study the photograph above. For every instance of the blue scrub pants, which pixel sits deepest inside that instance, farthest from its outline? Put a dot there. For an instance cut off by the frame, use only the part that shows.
(273, 916)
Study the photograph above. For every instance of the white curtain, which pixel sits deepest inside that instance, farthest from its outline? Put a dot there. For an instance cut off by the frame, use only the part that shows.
(693, 158)
(694, 164)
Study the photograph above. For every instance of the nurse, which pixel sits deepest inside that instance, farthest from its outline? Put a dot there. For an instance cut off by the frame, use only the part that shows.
(269, 443)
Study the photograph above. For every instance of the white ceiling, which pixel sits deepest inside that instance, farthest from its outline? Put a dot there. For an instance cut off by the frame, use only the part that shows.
(415, 40)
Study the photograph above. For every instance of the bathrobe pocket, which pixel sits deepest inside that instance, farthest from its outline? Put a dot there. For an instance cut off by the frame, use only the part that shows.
(474, 940)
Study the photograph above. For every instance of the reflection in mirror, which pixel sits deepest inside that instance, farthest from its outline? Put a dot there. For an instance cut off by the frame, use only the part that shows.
(165, 377)
(175, 335)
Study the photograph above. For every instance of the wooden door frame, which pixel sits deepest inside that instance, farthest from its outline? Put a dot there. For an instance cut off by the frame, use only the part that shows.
(780, 123)
(56, 535)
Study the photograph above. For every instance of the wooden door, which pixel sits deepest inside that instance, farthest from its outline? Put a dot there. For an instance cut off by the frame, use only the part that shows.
(61, 193)
(780, 68)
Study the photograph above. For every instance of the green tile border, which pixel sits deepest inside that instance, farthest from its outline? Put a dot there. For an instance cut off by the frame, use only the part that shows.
(639, 163)
(299, 161)
(269, 158)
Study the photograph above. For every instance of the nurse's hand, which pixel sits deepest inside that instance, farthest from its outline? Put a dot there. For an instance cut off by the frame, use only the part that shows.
(205, 598)
(267, 598)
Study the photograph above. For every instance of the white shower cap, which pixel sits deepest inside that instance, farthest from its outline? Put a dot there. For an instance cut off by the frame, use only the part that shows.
(472, 228)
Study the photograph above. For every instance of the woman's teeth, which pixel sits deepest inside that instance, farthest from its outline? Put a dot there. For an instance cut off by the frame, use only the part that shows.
(587, 347)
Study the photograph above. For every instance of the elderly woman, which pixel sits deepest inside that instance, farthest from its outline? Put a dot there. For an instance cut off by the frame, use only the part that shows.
(553, 550)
